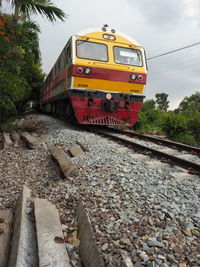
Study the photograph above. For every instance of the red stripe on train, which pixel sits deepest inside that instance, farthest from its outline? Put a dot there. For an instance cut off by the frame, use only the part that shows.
(107, 74)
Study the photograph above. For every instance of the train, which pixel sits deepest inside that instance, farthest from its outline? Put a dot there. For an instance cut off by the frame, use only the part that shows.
(98, 79)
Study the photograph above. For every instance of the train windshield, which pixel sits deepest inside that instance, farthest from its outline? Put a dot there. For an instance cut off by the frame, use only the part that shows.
(90, 50)
(127, 56)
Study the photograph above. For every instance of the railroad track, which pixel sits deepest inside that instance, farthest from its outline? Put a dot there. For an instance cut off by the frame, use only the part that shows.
(174, 145)
(191, 167)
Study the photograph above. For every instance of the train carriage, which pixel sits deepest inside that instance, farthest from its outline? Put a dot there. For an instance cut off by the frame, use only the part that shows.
(98, 78)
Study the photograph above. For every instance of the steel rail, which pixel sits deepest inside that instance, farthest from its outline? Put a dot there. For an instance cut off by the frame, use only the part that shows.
(192, 167)
(159, 141)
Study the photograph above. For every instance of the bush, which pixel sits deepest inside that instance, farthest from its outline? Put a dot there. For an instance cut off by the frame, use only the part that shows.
(175, 126)
(194, 127)
(149, 121)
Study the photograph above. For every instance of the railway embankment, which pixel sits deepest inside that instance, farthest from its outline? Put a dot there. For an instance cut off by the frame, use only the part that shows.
(141, 212)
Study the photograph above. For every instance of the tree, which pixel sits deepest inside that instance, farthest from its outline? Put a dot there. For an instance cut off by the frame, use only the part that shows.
(45, 8)
(194, 126)
(190, 105)
(148, 105)
(175, 125)
(20, 71)
(162, 102)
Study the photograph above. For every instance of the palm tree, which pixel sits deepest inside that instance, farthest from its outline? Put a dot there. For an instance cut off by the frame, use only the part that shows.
(43, 7)
(31, 45)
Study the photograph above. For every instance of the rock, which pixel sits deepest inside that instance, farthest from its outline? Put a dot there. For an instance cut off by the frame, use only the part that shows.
(6, 220)
(162, 216)
(170, 257)
(178, 249)
(23, 248)
(167, 230)
(15, 137)
(73, 239)
(89, 250)
(127, 262)
(152, 264)
(144, 256)
(154, 243)
(76, 151)
(31, 141)
(69, 247)
(165, 204)
(64, 161)
(150, 221)
(84, 148)
(105, 247)
(187, 233)
(189, 227)
(161, 257)
(51, 248)
(125, 241)
(65, 228)
(145, 247)
(6, 140)
(169, 215)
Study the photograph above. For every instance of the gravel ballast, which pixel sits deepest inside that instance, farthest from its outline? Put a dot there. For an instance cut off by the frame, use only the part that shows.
(149, 213)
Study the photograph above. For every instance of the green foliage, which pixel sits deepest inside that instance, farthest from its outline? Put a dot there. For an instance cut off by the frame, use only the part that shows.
(20, 71)
(148, 105)
(190, 105)
(175, 125)
(162, 102)
(43, 7)
(194, 126)
(151, 120)
(182, 125)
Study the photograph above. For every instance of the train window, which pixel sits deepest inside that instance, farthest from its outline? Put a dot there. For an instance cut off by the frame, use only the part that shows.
(90, 50)
(127, 56)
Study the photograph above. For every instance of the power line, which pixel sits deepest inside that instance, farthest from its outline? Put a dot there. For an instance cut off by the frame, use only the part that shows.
(178, 58)
(173, 51)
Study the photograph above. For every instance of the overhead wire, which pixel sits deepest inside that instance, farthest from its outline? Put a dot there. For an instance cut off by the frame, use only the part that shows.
(177, 58)
(158, 70)
(174, 51)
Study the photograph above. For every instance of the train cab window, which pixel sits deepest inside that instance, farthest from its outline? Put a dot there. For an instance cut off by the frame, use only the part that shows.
(127, 56)
(90, 50)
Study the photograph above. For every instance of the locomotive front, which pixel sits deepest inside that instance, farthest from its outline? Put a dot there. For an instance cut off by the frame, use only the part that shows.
(108, 74)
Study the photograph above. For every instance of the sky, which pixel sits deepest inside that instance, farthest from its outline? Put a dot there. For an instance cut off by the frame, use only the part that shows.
(158, 25)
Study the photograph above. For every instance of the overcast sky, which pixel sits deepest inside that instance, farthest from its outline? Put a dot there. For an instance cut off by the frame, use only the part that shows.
(158, 25)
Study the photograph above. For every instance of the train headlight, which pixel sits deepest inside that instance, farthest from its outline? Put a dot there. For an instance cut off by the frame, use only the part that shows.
(87, 71)
(108, 96)
(109, 37)
(140, 77)
(133, 76)
(80, 70)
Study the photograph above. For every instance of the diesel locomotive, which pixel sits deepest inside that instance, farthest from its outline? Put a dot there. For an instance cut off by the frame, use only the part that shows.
(98, 79)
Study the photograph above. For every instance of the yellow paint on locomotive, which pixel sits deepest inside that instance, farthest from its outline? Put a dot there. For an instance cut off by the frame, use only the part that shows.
(106, 85)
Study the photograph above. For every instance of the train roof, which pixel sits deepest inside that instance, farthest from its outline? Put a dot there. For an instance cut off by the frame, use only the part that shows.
(110, 31)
